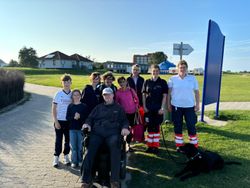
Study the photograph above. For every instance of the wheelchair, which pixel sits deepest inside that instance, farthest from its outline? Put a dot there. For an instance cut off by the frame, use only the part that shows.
(102, 166)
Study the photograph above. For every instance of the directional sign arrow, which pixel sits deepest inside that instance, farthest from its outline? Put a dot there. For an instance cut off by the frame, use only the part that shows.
(182, 49)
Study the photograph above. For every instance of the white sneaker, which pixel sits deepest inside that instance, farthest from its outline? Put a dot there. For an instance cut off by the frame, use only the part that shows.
(73, 165)
(56, 161)
(66, 159)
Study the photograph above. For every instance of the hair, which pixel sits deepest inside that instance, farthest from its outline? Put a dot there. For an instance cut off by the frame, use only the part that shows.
(135, 65)
(66, 77)
(120, 79)
(155, 66)
(94, 75)
(182, 62)
(74, 91)
(108, 74)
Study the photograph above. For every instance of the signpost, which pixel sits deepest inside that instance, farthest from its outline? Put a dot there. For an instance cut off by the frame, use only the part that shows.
(182, 49)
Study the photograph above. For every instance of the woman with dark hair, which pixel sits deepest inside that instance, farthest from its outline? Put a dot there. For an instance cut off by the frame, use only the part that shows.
(108, 79)
(91, 94)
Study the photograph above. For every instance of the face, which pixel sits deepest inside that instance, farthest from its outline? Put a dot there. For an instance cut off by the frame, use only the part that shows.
(182, 69)
(76, 96)
(155, 72)
(108, 98)
(108, 82)
(96, 80)
(135, 71)
(66, 84)
(123, 83)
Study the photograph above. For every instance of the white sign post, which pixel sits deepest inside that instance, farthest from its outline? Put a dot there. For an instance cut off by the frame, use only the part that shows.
(182, 49)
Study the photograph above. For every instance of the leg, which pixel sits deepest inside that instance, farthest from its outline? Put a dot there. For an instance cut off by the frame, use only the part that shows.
(114, 144)
(94, 143)
(58, 141)
(191, 120)
(73, 146)
(177, 117)
(66, 139)
(79, 146)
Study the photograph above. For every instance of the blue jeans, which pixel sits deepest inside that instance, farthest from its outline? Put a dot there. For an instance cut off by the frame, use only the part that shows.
(76, 146)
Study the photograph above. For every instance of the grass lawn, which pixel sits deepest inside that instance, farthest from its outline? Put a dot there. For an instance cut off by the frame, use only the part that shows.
(230, 141)
(235, 87)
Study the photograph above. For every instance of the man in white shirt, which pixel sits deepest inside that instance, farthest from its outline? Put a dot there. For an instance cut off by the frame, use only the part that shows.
(183, 101)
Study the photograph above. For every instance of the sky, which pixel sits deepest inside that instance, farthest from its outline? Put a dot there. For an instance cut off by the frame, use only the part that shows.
(115, 30)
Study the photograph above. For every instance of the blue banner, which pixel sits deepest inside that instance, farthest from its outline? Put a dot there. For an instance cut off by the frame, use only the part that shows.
(213, 65)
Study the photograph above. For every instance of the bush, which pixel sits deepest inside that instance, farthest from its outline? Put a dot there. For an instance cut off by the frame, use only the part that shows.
(11, 87)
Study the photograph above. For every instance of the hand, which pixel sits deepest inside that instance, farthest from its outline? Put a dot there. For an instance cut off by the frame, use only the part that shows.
(85, 125)
(161, 111)
(57, 125)
(125, 132)
(169, 108)
(145, 109)
(196, 108)
(77, 116)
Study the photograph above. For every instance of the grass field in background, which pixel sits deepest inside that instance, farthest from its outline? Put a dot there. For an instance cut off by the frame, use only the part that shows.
(235, 87)
(230, 141)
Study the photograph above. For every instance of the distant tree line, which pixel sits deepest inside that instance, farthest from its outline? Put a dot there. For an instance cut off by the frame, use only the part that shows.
(11, 87)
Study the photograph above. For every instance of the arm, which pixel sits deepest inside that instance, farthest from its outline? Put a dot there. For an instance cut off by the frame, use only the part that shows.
(68, 115)
(54, 115)
(163, 103)
(197, 100)
(169, 100)
(144, 96)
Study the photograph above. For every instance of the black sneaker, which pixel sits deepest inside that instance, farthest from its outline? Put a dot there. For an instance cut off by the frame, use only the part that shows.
(179, 150)
(130, 149)
(155, 150)
(149, 150)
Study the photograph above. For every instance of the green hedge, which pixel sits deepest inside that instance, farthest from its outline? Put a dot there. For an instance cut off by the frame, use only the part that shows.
(11, 87)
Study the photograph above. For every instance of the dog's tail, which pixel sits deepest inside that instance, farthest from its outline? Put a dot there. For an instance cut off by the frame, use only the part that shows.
(232, 162)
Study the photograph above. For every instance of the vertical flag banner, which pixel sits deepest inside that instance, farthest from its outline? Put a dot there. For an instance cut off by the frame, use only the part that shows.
(213, 67)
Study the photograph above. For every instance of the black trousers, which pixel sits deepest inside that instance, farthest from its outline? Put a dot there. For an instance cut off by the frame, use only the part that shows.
(59, 138)
(189, 116)
(114, 144)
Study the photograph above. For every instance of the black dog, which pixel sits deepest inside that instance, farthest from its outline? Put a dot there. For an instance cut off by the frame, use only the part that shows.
(200, 161)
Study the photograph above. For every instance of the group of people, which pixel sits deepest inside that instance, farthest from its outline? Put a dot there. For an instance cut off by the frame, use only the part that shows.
(108, 113)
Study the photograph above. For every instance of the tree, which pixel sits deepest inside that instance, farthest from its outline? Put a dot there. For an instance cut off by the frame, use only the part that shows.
(157, 57)
(13, 63)
(28, 57)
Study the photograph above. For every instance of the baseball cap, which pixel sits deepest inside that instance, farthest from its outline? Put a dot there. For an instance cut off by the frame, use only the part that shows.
(107, 90)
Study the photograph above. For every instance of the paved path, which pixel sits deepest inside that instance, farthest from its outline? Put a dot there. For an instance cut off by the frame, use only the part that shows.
(27, 143)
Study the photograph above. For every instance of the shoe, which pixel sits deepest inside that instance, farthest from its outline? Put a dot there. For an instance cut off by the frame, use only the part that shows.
(149, 150)
(56, 161)
(73, 165)
(86, 185)
(155, 150)
(179, 150)
(80, 164)
(130, 149)
(66, 159)
(115, 184)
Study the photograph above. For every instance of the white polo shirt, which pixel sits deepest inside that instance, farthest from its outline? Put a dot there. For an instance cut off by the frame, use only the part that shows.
(182, 94)
(62, 99)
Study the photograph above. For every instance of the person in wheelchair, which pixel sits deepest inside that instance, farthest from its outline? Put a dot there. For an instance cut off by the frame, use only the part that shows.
(106, 123)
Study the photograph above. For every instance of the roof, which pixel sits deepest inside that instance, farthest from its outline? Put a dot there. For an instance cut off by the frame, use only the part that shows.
(2, 62)
(78, 57)
(57, 55)
(165, 65)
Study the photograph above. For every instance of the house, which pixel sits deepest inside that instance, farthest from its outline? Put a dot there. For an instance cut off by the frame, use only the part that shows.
(119, 67)
(59, 60)
(82, 62)
(2, 63)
